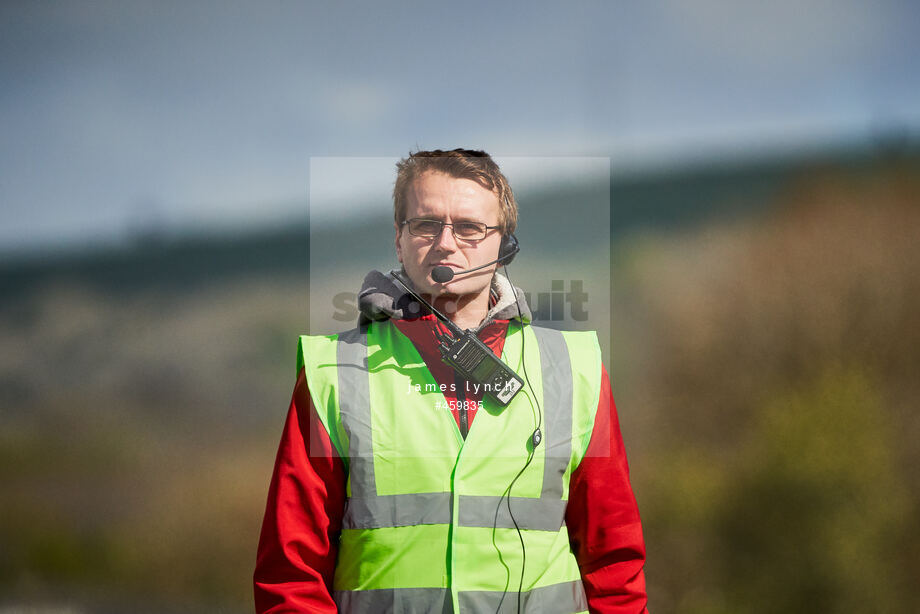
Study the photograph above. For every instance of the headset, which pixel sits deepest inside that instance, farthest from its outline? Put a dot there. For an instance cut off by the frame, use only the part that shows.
(508, 249)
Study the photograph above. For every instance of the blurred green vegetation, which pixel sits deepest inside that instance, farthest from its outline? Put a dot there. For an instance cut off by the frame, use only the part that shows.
(765, 368)
(768, 400)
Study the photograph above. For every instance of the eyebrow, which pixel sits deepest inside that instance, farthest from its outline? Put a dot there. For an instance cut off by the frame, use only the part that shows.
(456, 220)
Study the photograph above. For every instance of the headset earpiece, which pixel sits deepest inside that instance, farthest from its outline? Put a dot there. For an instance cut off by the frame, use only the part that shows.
(508, 248)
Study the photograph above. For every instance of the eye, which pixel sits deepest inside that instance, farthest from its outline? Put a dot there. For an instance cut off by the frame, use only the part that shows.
(469, 230)
(426, 227)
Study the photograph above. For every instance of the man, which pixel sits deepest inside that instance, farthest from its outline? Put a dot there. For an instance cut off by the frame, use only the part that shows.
(400, 486)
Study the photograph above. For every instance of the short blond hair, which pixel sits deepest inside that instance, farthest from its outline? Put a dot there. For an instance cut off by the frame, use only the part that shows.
(462, 164)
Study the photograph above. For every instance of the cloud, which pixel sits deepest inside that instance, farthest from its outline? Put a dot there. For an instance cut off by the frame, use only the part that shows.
(208, 108)
(788, 34)
(355, 103)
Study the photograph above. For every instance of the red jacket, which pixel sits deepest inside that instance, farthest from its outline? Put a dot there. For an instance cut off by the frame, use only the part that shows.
(299, 541)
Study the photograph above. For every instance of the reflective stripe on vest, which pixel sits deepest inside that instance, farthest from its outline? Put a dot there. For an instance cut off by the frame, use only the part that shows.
(562, 597)
(373, 511)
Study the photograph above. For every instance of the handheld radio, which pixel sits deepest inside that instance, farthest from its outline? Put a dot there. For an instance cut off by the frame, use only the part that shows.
(476, 362)
(472, 358)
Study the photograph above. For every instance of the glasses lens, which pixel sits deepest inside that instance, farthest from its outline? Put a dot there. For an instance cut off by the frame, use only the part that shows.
(424, 228)
(470, 230)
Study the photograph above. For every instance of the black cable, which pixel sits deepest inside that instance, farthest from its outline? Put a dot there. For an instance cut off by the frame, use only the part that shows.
(523, 362)
(535, 441)
(516, 528)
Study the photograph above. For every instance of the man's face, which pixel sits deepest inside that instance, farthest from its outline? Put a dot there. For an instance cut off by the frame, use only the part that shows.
(437, 196)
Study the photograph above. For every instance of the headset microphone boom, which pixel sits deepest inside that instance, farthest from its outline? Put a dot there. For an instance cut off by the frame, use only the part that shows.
(509, 247)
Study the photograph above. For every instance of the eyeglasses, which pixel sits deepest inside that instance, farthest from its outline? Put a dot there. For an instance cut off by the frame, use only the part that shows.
(431, 229)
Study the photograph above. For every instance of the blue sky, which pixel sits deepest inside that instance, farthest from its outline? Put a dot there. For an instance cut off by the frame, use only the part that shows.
(115, 116)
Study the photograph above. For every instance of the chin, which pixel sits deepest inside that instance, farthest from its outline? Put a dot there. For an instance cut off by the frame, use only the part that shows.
(443, 289)
(459, 288)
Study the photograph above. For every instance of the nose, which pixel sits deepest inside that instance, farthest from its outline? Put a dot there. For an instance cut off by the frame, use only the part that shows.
(446, 241)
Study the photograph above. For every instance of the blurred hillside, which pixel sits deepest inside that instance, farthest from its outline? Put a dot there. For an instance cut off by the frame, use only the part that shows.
(764, 351)
(652, 200)
(769, 397)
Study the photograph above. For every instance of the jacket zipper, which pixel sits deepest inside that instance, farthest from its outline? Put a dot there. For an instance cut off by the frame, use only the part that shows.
(461, 406)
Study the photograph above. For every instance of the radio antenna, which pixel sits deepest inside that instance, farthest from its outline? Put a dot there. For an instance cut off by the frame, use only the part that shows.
(450, 325)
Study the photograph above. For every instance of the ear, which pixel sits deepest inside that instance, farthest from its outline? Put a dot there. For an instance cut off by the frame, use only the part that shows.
(398, 236)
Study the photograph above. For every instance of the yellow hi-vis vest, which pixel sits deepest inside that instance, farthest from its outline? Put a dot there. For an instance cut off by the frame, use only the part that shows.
(427, 526)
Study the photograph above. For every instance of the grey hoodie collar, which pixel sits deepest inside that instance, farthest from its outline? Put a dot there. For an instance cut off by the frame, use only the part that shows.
(381, 298)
